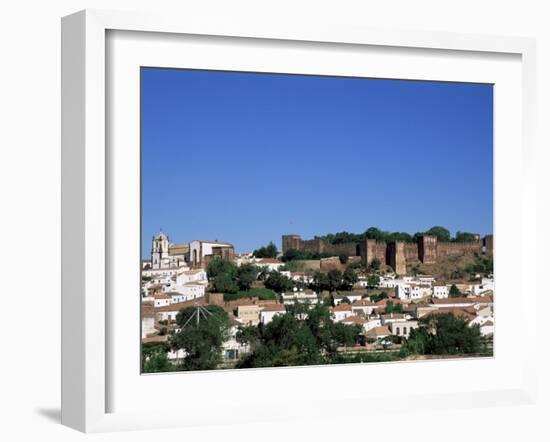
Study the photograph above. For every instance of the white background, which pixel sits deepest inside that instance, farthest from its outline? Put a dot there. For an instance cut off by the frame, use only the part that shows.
(29, 186)
(132, 392)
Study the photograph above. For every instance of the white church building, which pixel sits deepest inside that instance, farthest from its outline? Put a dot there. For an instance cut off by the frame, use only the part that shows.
(166, 255)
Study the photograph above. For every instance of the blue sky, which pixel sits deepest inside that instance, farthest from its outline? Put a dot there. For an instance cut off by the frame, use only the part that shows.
(245, 158)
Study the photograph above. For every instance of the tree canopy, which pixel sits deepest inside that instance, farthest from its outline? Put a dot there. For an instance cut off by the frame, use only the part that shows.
(269, 251)
(444, 334)
(278, 282)
(201, 340)
(289, 340)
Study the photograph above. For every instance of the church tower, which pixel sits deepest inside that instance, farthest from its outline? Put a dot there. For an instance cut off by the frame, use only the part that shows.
(159, 250)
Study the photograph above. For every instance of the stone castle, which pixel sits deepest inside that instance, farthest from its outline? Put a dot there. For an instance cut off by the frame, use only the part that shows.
(397, 254)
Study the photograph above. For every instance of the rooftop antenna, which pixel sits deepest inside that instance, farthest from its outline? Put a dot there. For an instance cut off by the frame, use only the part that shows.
(199, 311)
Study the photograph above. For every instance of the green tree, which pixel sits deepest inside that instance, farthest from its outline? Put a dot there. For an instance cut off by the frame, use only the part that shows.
(454, 292)
(154, 357)
(375, 264)
(246, 275)
(278, 282)
(441, 233)
(157, 362)
(224, 283)
(201, 339)
(444, 334)
(465, 237)
(349, 278)
(373, 281)
(220, 266)
(320, 282)
(343, 258)
(374, 233)
(334, 280)
(269, 251)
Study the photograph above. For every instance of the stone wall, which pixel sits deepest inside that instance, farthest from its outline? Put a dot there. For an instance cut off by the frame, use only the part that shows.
(395, 254)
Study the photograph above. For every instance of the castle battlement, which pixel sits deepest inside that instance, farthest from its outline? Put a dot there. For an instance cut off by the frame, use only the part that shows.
(396, 254)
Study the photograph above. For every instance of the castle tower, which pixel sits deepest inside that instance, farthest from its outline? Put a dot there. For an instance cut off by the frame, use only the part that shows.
(396, 257)
(159, 249)
(291, 242)
(427, 249)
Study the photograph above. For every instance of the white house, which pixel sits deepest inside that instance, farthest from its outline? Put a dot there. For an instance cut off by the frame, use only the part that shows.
(351, 296)
(269, 311)
(390, 318)
(161, 300)
(412, 292)
(356, 320)
(270, 264)
(341, 312)
(403, 328)
(372, 323)
(305, 296)
(191, 276)
(147, 326)
(364, 306)
(193, 290)
(440, 290)
(425, 279)
(301, 277)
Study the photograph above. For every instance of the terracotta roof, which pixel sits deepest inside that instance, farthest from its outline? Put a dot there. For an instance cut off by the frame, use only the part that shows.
(385, 301)
(482, 299)
(469, 312)
(274, 308)
(363, 302)
(487, 323)
(180, 305)
(341, 308)
(378, 331)
(355, 320)
(450, 301)
(393, 316)
(161, 296)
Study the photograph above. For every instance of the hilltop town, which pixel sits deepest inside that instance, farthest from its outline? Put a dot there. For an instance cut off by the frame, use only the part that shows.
(340, 298)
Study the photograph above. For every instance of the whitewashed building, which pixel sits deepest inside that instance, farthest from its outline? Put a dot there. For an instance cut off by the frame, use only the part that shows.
(303, 296)
(161, 300)
(403, 328)
(440, 290)
(269, 311)
(341, 312)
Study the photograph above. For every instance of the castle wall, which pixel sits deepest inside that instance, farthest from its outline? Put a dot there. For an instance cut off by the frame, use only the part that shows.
(349, 248)
(396, 257)
(427, 249)
(396, 254)
(411, 251)
(456, 248)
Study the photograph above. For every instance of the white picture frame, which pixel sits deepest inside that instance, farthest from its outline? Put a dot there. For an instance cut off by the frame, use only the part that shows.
(86, 206)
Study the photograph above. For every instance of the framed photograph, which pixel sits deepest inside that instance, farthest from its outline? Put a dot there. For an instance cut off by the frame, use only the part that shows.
(255, 209)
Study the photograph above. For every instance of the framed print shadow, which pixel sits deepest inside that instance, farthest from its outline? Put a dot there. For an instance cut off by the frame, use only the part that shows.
(391, 179)
(258, 208)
